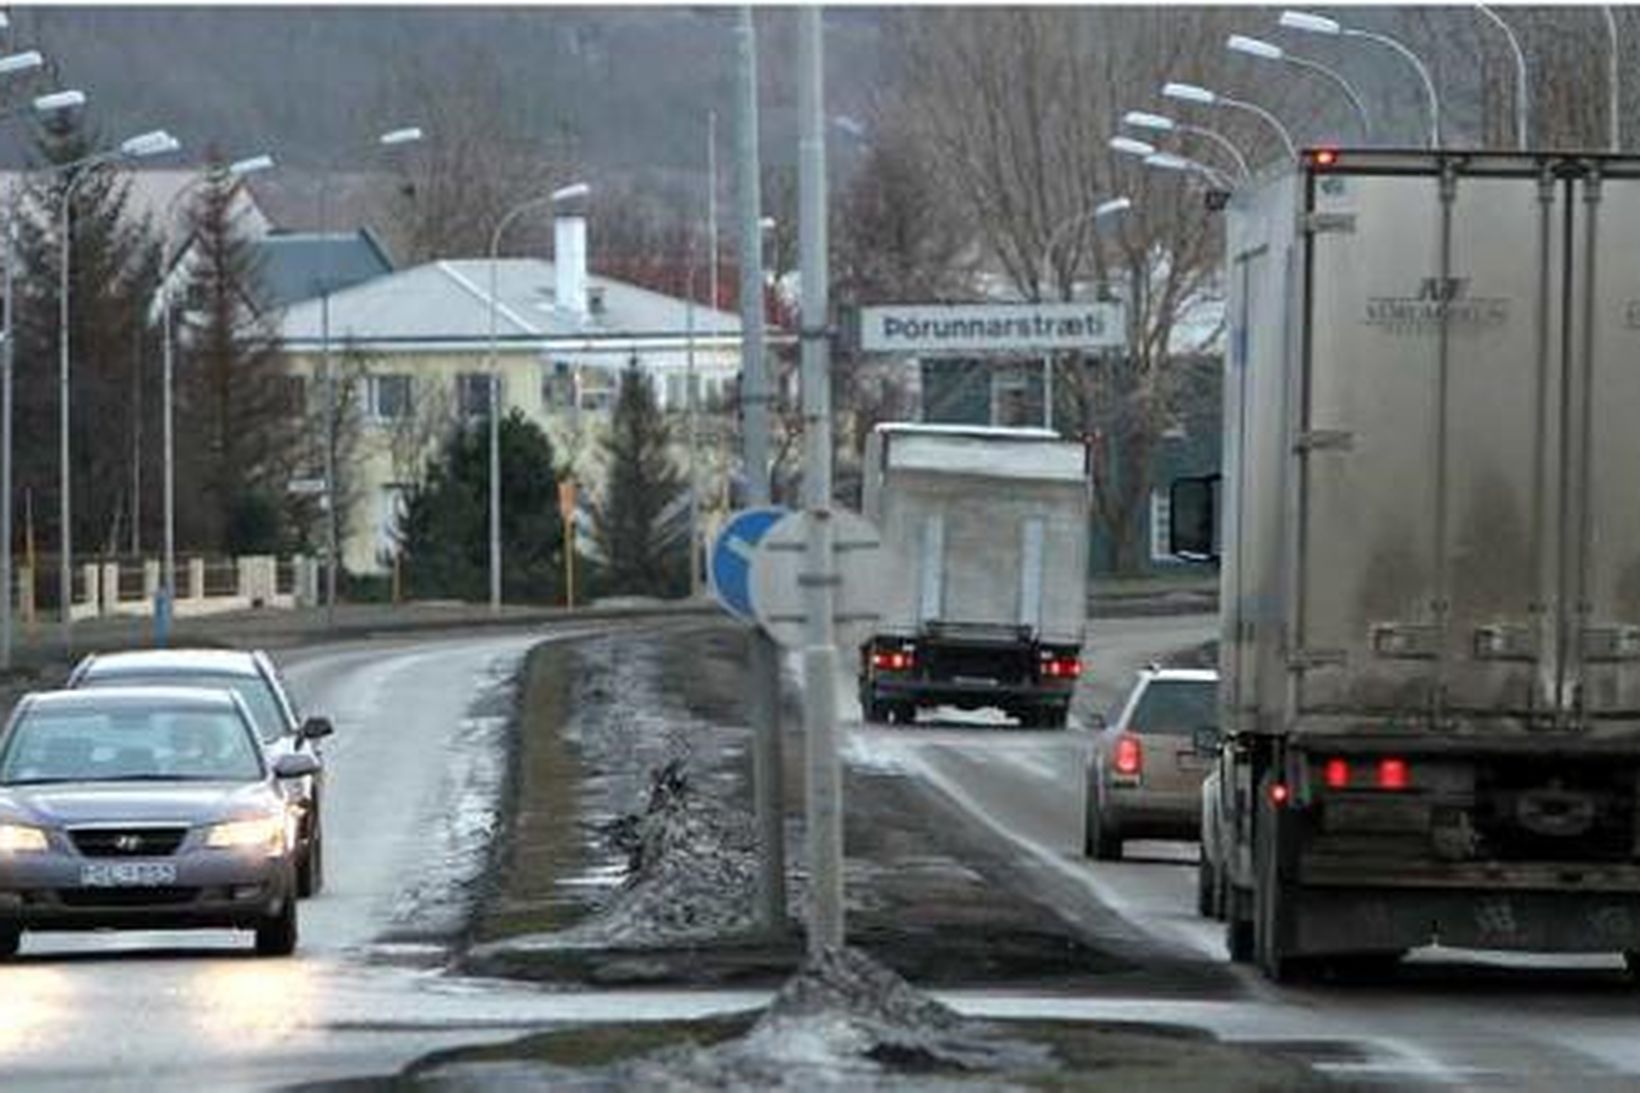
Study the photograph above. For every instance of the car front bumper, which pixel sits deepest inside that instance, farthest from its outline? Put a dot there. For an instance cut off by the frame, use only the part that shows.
(212, 888)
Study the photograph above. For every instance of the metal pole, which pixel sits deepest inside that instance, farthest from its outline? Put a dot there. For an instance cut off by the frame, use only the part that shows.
(495, 439)
(8, 603)
(1614, 80)
(328, 378)
(1273, 121)
(763, 666)
(65, 537)
(691, 438)
(167, 428)
(825, 792)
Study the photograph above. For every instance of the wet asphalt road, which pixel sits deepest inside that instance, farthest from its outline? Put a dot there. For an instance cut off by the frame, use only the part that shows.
(1469, 1021)
(195, 1010)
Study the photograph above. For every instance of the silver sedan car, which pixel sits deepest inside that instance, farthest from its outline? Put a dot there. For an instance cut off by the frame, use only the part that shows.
(145, 808)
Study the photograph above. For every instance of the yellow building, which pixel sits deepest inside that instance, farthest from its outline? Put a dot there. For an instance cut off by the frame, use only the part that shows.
(416, 345)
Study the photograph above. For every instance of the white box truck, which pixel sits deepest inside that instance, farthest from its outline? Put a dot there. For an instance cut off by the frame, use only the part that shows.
(1430, 564)
(985, 540)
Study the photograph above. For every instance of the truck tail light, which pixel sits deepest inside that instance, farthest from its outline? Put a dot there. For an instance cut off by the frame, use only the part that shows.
(1393, 774)
(1057, 667)
(1336, 773)
(1279, 793)
(1129, 759)
(892, 660)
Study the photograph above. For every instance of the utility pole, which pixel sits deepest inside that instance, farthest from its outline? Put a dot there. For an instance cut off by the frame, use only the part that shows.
(824, 781)
(768, 766)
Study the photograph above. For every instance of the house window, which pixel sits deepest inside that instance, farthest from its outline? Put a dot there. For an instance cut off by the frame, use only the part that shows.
(1161, 523)
(389, 397)
(557, 384)
(597, 390)
(473, 394)
(291, 395)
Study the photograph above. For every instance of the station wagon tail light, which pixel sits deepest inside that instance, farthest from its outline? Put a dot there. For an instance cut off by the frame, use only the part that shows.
(892, 660)
(1393, 774)
(21, 839)
(1056, 667)
(1336, 773)
(1129, 759)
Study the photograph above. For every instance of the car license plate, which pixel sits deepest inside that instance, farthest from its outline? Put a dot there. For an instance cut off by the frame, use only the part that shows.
(122, 874)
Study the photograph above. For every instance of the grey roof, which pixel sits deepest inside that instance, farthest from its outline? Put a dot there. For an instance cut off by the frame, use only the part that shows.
(296, 265)
(448, 302)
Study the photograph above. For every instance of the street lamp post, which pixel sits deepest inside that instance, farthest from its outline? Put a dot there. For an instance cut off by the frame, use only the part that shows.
(390, 139)
(157, 142)
(1093, 215)
(237, 169)
(43, 104)
(1142, 119)
(563, 193)
(1320, 24)
(1269, 51)
(1188, 92)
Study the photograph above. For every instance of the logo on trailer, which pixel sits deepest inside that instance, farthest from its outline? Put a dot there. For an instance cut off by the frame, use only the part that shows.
(1438, 302)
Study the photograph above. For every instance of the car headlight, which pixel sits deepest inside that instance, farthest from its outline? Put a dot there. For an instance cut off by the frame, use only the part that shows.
(265, 832)
(21, 839)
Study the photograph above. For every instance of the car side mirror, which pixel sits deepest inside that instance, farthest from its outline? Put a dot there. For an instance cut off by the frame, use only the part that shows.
(316, 728)
(1207, 741)
(296, 764)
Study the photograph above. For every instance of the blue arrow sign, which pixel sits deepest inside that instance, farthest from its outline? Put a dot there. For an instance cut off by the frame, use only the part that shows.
(731, 559)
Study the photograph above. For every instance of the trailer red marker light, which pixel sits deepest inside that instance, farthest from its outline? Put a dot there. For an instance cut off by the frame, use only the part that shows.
(1279, 794)
(1392, 774)
(1336, 773)
(1324, 157)
(1129, 759)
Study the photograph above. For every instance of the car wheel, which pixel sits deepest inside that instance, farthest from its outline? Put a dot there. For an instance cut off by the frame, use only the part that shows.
(310, 875)
(1205, 883)
(277, 936)
(11, 939)
(1098, 840)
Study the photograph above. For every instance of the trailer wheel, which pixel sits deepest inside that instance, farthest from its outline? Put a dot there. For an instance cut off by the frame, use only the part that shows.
(1206, 882)
(1631, 961)
(1238, 936)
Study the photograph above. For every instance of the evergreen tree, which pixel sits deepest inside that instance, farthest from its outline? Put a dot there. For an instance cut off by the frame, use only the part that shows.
(114, 353)
(644, 554)
(237, 436)
(445, 530)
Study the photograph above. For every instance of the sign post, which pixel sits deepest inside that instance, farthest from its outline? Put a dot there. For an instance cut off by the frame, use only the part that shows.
(566, 513)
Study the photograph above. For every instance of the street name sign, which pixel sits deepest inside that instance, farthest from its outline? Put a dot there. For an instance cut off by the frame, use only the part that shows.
(730, 563)
(991, 328)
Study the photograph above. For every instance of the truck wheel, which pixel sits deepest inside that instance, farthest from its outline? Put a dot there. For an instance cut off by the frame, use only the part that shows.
(1631, 961)
(277, 936)
(11, 939)
(1238, 936)
(907, 713)
(1272, 899)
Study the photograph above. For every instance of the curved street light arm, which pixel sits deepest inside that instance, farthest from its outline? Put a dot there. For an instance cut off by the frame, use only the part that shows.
(1614, 86)
(1095, 214)
(1223, 142)
(1423, 74)
(1356, 102)
(1271, 119)
(1520, 73)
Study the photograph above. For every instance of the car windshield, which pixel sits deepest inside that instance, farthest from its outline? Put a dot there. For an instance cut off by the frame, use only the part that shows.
(266, 712)
(1176, 707)
(144, 743)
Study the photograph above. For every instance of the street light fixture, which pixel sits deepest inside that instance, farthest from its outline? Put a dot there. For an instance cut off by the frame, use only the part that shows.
(1191, 93)
(1311, 23)
(408, 135)
(1130, 147)
(43, 104)
(20, 62)
(1269, 51)
(141, 146)
(237, 169)
(563, 193)
(1141, 119)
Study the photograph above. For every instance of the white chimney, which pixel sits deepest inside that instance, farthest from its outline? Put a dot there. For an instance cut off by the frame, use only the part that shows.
(569, 259)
